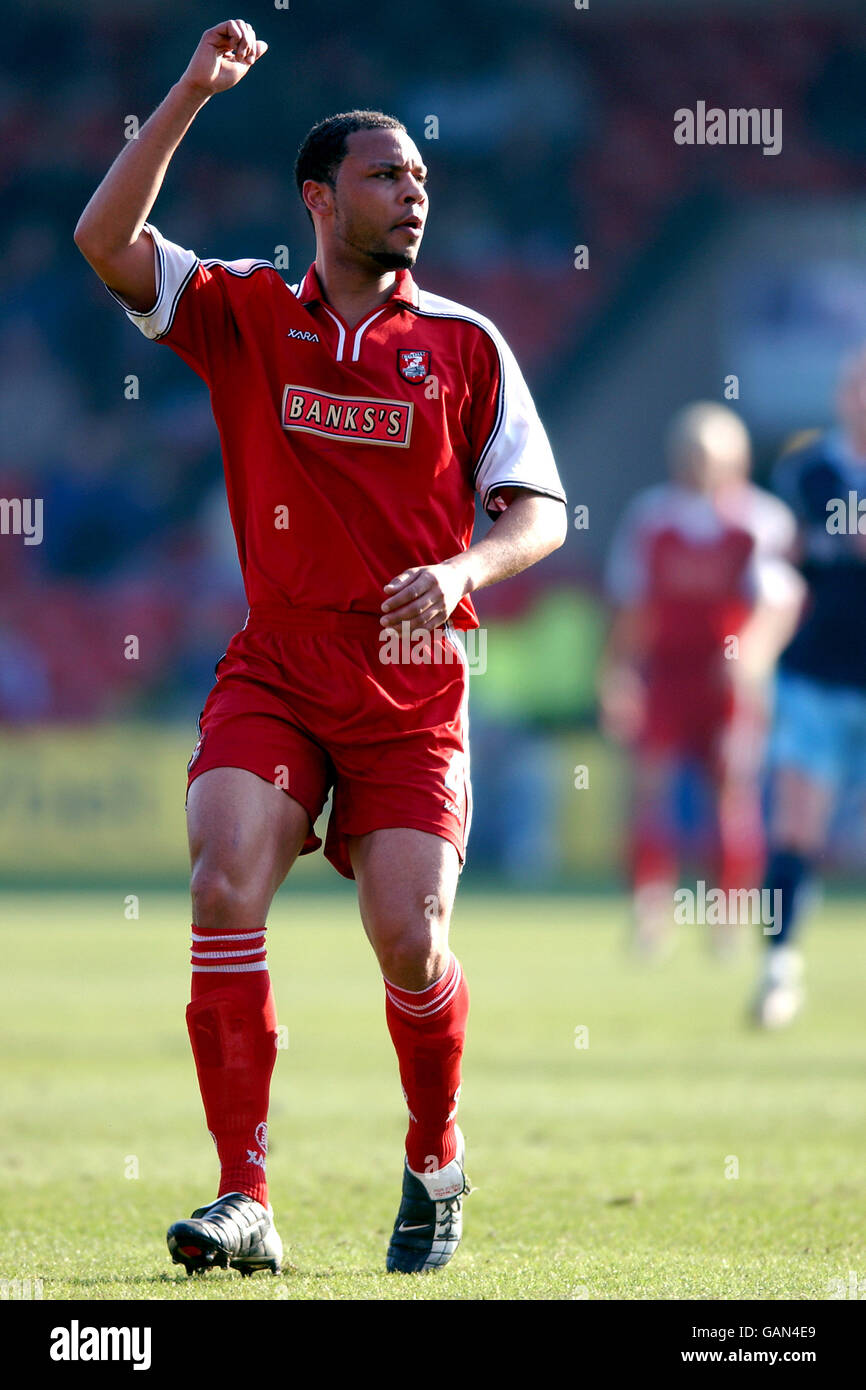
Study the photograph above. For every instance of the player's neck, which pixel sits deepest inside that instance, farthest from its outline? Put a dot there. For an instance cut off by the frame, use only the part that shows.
(353, 290)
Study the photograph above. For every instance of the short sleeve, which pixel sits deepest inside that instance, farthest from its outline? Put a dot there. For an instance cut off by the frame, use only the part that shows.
(511, 446)
(193, 312)
(775, 582)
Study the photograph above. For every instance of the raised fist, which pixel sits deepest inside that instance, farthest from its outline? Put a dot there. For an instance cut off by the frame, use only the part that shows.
(223, 55)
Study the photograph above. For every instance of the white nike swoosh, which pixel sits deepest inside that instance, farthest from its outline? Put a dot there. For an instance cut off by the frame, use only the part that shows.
(404, 1227)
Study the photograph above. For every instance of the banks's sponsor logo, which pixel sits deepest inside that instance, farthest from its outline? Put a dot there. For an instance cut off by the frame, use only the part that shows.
(363, 419)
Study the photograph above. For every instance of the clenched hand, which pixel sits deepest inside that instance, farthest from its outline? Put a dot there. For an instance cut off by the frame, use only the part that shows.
(224, 54)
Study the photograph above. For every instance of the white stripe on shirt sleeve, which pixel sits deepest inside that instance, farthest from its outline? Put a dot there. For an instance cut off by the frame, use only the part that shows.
(174, 267)
(518, 453)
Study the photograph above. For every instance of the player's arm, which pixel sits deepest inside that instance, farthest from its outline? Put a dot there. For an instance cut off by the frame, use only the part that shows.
(620, 684)
(773, 585)
(620, 680)
(770, 625)
(110, 231)
(530, 528)
(514, 474)
(766, 634)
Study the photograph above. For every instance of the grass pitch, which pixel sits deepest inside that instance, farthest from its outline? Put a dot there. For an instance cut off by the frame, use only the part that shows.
(678, 1155)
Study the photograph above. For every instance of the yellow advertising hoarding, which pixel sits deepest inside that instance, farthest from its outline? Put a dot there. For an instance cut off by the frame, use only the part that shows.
(94, 802)
(106, 804)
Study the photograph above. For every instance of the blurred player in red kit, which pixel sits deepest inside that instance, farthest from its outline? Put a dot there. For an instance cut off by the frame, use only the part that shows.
(359, 417)
(705, 598)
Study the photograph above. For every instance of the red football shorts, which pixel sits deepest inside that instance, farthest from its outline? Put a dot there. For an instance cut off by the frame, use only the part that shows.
(315, 702)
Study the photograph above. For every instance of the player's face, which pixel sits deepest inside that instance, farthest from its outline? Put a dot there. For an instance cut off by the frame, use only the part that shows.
(714, 462)
(380, 202)
(725, 468)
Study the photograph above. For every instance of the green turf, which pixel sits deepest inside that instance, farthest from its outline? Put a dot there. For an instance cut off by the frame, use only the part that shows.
(600, 1172)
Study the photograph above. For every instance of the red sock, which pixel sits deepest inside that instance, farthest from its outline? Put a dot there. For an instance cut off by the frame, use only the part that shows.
(427, 1029)
(232, 1028)
(652, 860)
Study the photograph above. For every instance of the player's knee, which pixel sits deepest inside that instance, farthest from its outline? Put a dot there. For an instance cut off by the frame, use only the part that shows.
(413, 962)
(220, 901)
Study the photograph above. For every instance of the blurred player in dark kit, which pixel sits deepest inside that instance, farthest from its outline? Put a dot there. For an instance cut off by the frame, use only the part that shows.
(818, 744)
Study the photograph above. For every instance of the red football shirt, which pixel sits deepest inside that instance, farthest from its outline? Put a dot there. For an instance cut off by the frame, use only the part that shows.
(350, 454)
(698, 567)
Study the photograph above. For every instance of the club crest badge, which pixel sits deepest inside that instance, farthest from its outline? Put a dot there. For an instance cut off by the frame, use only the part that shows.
(413, 364)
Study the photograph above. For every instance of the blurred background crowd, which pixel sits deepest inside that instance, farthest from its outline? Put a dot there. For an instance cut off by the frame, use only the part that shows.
(554, 130)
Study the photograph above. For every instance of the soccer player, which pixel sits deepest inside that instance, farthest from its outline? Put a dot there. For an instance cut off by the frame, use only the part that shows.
(359, 416)
(818, 740)
(696, 562)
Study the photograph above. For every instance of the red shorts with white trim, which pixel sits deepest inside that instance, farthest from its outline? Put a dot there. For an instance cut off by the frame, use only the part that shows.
(317, 702)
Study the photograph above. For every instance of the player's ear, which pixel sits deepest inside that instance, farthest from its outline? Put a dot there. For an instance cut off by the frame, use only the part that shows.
(318, 197)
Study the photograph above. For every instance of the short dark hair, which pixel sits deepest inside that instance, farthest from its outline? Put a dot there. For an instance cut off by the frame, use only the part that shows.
(324, 147)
